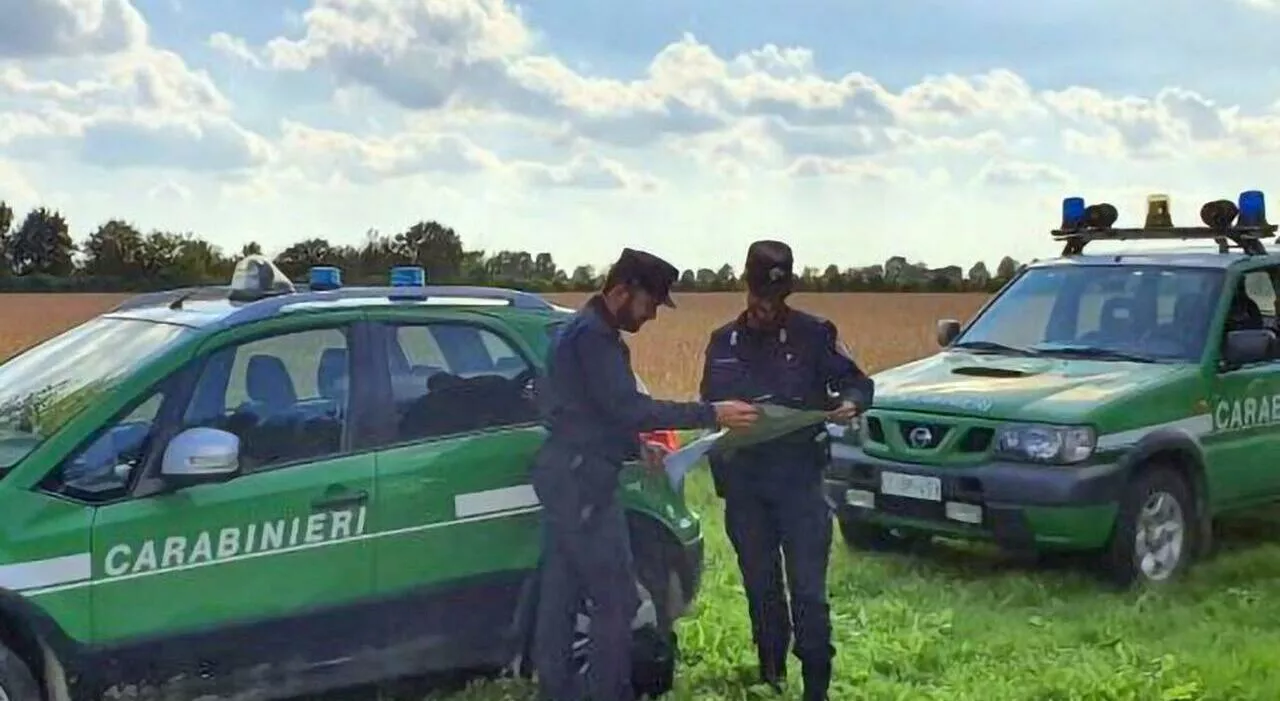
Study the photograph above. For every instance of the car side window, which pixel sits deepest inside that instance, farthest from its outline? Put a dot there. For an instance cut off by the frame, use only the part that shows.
(450, 378)
(284, 396)
(104, 468)
(1260, 288)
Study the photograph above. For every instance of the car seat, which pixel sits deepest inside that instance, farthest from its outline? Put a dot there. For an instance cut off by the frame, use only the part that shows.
(272, 396)
(1190, 310)
(331, 377)
(1114, 321)
(268, 384)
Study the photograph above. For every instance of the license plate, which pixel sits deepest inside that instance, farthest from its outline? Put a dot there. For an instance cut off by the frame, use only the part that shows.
(911, 486)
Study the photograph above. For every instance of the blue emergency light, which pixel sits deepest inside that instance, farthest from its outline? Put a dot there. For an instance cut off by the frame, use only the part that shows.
(1072, 213)
(325, 277)
(1253, 209)
(408, 276)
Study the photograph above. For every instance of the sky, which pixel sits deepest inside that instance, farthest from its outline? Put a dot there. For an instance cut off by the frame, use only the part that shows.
(946, 131)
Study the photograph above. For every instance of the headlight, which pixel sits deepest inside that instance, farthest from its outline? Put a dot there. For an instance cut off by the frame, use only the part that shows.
(1046, 444)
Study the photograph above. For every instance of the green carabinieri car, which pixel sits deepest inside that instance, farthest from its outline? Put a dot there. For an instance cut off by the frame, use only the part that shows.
(266, 490)
(1109, 403)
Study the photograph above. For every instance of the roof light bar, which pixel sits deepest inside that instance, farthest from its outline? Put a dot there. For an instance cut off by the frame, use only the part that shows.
(408, 276)
(325, 277)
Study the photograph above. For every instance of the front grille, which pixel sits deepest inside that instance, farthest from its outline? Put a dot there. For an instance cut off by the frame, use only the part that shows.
(888, 434)
(976, 440)
(875, 429)
(922, 436)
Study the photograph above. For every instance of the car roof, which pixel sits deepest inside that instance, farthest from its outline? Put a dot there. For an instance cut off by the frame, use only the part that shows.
(1184, 257)
(213, 307)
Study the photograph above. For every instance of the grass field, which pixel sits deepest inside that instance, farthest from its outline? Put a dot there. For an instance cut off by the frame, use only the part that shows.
(960, 623)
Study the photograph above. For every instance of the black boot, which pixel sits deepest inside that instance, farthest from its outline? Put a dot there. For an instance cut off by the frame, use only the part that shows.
(773, 671)
(816, 682)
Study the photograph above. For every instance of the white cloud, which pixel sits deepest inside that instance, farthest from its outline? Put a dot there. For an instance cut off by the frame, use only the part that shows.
(397, 108)
(1015, 173)
(860, 171)
(370, 159)
(15, 190)
(588, 172)
(44, 28)
(235, 48)
(168, 191)
(115, 101)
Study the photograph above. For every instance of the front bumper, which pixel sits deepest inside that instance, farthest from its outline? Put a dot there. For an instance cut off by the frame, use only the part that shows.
(1018, 506)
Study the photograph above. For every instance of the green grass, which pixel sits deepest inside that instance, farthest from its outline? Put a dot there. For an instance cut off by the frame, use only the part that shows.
(962, 622)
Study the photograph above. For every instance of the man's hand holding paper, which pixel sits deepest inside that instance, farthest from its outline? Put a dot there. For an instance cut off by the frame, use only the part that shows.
(846, 412)
(774, 421)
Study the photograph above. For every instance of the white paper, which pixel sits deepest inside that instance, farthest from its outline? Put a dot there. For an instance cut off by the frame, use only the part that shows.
(678, 463)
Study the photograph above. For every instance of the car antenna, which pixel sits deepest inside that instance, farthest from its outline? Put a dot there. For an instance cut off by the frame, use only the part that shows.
(177, 303)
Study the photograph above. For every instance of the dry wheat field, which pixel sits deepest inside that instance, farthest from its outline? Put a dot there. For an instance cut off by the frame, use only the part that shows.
(882, 330)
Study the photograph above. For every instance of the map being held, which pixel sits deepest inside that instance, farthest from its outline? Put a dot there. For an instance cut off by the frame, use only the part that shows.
(774, 421)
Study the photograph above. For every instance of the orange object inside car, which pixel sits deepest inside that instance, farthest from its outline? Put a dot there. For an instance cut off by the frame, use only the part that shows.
(668, 439)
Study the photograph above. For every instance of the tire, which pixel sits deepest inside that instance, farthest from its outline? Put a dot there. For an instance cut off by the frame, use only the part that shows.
(16, 681)
(654, 575)
(861, 535)
(1156, 533)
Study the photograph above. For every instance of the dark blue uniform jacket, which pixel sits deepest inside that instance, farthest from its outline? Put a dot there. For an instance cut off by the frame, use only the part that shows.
(591, 400)
(801, 365)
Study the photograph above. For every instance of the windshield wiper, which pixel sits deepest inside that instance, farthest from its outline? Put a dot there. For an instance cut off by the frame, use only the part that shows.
(993, 347)
(1097, 353)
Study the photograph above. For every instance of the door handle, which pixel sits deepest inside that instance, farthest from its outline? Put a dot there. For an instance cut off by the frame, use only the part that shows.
(340, 499)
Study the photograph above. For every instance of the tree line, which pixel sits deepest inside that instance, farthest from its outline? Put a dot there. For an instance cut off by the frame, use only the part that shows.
(38, 253)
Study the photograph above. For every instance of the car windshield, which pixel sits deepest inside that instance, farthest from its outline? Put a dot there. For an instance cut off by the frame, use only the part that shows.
(44, 386)
(1136, 313)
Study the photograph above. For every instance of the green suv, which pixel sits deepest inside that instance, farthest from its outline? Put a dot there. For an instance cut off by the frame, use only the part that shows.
(1108, 403)
(266, 490)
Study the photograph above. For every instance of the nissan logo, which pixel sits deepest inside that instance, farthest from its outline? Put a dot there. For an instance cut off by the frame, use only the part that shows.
(920, 437)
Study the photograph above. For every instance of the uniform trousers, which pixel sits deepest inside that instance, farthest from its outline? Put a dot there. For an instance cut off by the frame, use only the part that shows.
(776, 528)
(586, 558)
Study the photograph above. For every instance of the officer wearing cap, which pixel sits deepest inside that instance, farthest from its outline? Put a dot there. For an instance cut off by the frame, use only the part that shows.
(772, 491)
(595, 414)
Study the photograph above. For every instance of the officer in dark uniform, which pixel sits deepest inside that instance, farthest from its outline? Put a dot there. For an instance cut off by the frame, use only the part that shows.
(595, 414)
(774, 503)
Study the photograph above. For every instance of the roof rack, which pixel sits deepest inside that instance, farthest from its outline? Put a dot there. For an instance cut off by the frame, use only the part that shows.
(1248, 239)
(1226, 222)
(271, 306)
(181, 294)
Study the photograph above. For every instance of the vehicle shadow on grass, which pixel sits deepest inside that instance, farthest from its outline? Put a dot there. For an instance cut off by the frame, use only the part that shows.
(976, 561)
(416, 688)
(1247, 531)
(1244, 546)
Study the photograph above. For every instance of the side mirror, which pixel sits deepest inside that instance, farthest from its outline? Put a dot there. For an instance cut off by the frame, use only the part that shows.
(1247, 346)
(201, 455)
(948, 329)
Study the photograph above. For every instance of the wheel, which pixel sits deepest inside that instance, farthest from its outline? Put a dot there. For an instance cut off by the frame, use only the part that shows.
(646, 616)
(867, 536)
(658, 588)
(650, 614)
(1154, 538)
(653, 636)
(16, 681)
